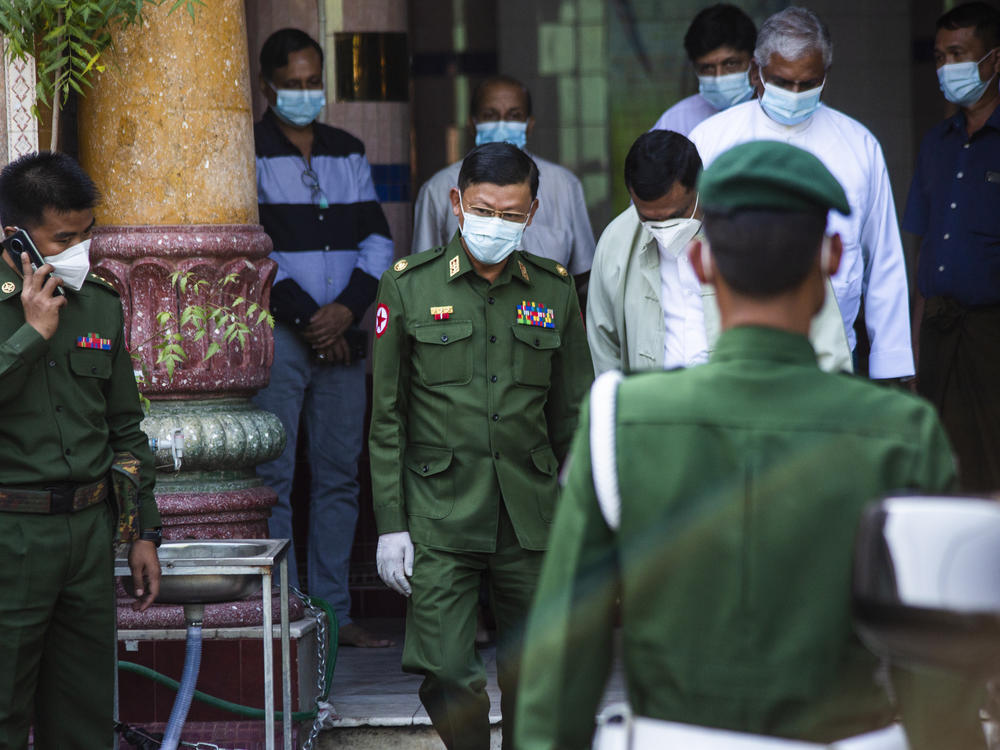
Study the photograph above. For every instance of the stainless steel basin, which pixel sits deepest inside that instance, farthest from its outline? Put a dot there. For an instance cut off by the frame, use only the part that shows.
(210, 570)
(927, 581)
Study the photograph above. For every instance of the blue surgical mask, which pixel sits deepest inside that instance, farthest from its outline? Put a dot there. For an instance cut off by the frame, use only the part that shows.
(789, 107)
(505, 131)
(722, 92)
(298, 106)
(960, 82)
(490, 239)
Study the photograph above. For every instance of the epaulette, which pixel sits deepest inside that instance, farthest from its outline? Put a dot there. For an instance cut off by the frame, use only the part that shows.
(403, 265)
(547, 264)
(101, 282)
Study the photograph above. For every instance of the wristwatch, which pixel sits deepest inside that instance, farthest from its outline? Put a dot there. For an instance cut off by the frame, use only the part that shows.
(152, 535)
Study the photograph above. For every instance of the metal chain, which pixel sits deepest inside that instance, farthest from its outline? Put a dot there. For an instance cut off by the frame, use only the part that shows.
(321, 656)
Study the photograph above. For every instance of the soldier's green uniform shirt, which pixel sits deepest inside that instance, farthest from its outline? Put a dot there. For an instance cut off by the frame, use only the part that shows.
(65, 409)
(473, 406)
(742, 482)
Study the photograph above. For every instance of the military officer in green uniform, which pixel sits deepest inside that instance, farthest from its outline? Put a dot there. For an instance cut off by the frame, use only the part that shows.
(480, 363)
(727, 534)
(68, 405)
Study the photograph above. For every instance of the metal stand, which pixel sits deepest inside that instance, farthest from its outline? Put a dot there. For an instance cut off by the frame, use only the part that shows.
(218, 570)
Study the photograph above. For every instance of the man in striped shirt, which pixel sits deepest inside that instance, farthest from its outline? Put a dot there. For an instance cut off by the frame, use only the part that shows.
(331, 244)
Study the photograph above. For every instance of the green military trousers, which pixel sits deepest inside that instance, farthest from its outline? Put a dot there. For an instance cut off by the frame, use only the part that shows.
(441, 634)
(57, 630)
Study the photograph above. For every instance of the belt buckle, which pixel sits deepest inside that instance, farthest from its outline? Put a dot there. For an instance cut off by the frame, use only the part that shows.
(61, 498)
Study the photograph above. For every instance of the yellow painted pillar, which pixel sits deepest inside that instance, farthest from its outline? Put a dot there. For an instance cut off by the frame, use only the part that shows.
(167, 131)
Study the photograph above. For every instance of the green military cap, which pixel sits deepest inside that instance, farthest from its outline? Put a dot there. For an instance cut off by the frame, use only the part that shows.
(769, 174)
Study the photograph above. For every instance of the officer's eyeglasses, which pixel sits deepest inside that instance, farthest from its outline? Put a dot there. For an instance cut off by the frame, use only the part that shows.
(311, 180)
(515, 217)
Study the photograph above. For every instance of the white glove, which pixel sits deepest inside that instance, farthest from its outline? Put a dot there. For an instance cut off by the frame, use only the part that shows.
(394, 560)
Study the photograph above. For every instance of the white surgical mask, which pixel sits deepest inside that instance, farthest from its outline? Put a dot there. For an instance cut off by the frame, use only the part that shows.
(513, 132)
(722, 92)
(789, 107)
(960, 82)
(673, 235)
(490, 239)
(298, 106)
(71, 265)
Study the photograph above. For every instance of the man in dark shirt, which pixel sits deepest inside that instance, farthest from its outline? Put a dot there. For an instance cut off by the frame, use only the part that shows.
(953, 205)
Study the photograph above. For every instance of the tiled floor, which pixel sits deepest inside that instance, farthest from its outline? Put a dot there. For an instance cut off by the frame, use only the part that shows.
(369, 688)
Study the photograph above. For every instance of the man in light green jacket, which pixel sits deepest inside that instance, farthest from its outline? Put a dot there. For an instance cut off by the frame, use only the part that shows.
(646, 310)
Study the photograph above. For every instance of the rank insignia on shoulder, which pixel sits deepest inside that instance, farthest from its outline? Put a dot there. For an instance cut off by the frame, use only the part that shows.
(400, 265)
(442, 313)
(524, 271)
(454, 266)
(561, 271)
(8, 287)
(534, 314)
(93, 341)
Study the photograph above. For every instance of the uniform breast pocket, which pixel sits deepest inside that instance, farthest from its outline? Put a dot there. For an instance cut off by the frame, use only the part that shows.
(91, 364)
(533, 350)
(442, 354)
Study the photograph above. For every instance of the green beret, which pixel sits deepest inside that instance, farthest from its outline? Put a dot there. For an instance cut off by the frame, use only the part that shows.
(769, 174)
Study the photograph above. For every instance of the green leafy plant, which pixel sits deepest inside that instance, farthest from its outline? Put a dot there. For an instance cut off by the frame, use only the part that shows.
(232, 319)
(68, 39)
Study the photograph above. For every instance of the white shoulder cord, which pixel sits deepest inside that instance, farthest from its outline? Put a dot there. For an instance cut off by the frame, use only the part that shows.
(604, 465)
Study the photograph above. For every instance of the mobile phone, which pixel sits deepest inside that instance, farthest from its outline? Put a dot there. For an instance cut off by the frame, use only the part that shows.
(20, 242)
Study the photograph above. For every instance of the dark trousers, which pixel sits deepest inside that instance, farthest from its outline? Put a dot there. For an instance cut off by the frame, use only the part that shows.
(441, 634)
(959, 372)
(57, 629)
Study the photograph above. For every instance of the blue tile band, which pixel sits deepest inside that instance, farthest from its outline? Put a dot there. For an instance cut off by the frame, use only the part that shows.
(392, 182)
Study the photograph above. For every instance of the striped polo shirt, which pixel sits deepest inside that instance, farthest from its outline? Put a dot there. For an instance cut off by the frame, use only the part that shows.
(331, 239)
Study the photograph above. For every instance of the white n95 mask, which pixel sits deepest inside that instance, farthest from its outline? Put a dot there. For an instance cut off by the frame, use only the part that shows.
(71, 265)
(673, 235)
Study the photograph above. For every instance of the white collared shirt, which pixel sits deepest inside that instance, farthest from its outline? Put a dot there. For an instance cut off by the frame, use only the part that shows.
(684, 341)
(684, 116)
(872, 263)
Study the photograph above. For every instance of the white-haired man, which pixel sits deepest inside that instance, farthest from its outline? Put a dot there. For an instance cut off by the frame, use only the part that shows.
(789, 70)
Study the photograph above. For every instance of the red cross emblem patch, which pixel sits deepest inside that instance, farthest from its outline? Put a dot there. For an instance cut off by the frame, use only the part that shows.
(381, 320)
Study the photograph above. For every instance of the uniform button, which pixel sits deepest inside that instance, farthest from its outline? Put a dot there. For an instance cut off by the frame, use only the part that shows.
(58, 408)
(954, 205)
(537, 342)
(966, 145)
(493, 339)
(493, 378)
(68, 451)
(52, 363)
(444, 339)
(321, 217)
(93, 370)
(424, 469)
(491, 300)
(496, 417)
(940, 268)
(960, 175)
(947, 236)
(496, 455)
(326, 247)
